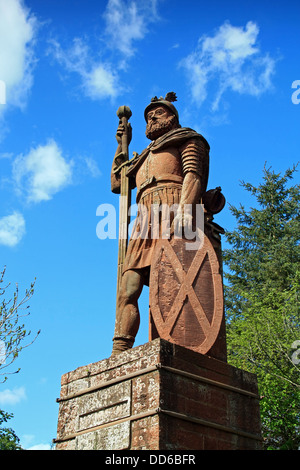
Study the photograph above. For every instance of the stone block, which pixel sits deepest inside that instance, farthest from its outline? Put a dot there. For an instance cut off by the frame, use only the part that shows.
(158, 396)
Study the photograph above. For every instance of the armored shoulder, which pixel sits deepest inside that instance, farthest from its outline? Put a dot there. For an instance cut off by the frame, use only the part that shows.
(194, 156)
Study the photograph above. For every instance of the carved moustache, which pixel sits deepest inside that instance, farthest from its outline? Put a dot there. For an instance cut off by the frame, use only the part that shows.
(156, 129)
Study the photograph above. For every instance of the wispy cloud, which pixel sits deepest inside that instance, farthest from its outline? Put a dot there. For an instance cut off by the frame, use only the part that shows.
(12, 397)
(98, 79)
(37, 176)
(6, 155)
(12, 229)
(42, 172)
(27, 442)
(40, 447)
(92, 167)
(230, 60)
(18, 28)
(127, 22)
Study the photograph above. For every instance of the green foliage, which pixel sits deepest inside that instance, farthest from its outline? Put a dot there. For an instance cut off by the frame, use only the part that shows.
(262, 301)
(13, 337)
(8, 438)
(13, 333)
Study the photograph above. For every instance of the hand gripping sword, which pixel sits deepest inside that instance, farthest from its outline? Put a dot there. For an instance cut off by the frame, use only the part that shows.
(123, 114)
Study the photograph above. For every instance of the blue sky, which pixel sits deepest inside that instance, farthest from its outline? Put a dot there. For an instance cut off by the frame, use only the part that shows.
(67, 66)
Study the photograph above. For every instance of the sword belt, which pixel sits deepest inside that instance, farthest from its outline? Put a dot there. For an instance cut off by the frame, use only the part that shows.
(155, 181)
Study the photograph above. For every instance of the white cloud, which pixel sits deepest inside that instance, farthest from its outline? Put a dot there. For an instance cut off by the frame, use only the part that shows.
(100, 82)
(27, 442)
(231, 59)
(39, 447)
(98, 78)
(127, 21)
(92, 167)
(12, 397)
(12, 229)
(17, 33)
(42, 172)
(6, 155)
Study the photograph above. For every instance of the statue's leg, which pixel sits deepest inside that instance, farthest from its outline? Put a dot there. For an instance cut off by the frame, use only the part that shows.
(127, 315)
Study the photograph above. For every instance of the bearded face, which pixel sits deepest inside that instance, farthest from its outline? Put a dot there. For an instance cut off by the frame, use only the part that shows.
(159, 122)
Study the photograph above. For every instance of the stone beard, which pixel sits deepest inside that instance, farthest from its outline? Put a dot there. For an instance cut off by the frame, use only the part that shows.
(154, 129)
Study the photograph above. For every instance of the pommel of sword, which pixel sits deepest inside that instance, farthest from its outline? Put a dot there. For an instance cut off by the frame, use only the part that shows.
(124, 113)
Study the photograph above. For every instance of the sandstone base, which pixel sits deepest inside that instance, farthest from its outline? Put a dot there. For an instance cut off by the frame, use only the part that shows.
(158, 396)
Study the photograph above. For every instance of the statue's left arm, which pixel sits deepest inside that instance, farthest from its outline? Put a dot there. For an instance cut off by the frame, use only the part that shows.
(195, 161)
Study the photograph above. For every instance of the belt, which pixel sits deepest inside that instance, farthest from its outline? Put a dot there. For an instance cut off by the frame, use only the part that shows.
(153, 180)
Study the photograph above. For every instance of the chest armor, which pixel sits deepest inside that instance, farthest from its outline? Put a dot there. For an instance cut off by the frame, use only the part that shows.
(160, 165)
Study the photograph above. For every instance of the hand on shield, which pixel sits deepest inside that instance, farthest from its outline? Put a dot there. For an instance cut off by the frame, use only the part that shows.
(183, 222)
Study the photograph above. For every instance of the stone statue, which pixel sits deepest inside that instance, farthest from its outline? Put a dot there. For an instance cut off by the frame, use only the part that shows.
(172, 172)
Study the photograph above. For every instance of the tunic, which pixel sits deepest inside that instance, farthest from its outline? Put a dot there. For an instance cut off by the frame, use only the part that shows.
(158, 174)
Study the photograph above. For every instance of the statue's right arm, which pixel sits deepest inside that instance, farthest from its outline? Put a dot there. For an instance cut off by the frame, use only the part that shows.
(117, 162)
(115, 178)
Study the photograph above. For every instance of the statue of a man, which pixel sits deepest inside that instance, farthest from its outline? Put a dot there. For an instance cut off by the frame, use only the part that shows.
(172, 170)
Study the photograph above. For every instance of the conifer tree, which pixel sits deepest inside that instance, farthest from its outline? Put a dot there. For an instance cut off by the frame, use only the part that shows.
(262, 279)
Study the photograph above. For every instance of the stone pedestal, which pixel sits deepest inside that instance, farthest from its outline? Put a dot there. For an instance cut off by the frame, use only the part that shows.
(158, 396)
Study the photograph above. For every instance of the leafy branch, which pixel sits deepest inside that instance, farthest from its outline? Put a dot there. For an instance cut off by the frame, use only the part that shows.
(13, 334)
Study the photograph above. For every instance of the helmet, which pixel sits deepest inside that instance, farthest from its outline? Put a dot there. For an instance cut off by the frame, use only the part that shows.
(167, 102)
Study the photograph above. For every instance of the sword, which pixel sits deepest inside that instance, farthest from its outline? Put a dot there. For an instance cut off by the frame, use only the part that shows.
(123, 113)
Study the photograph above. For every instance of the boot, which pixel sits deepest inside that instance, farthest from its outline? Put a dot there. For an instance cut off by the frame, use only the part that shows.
(122, 343)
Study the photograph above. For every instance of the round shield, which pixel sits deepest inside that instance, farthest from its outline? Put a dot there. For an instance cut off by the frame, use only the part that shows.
(186, 293)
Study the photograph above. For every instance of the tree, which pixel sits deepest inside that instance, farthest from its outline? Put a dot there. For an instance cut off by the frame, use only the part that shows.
(8, 438)
(13, 334)
(262, 280)
(13, 338)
